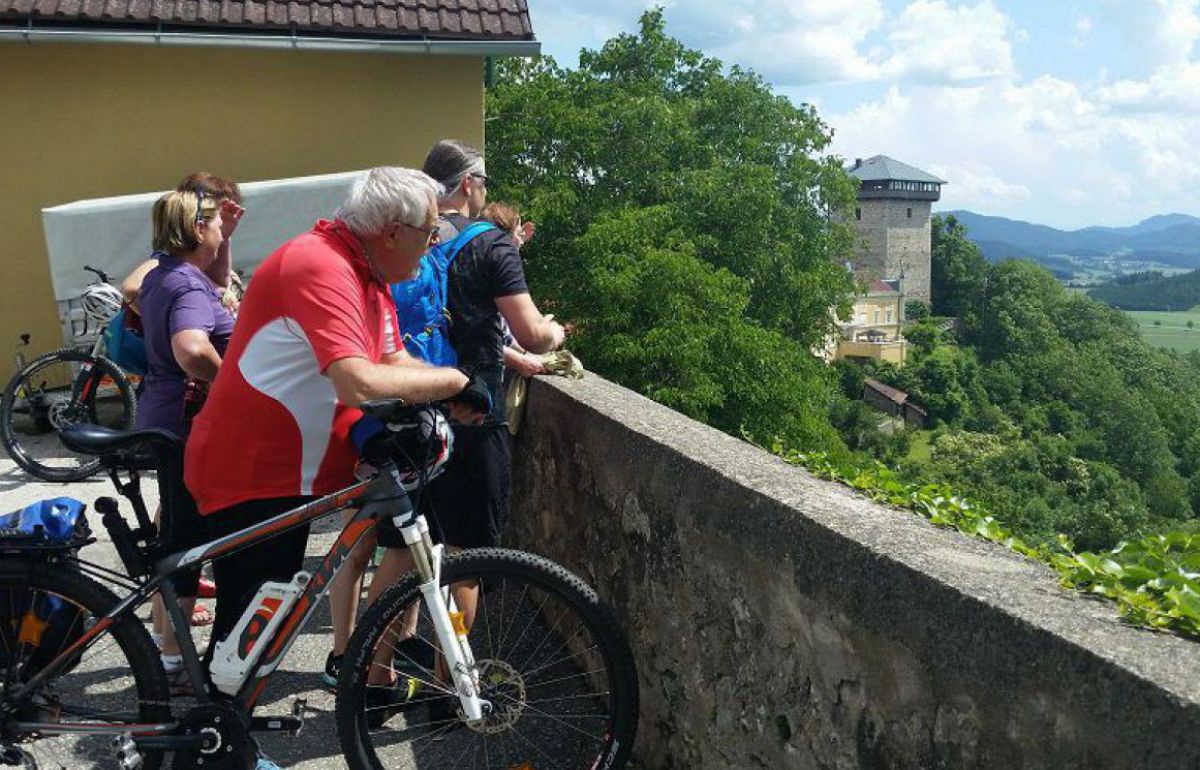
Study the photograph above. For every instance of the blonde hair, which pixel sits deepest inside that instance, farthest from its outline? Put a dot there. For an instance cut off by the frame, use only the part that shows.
(175, 218)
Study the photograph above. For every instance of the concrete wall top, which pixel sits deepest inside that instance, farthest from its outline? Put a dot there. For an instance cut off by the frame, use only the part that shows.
(784, 621)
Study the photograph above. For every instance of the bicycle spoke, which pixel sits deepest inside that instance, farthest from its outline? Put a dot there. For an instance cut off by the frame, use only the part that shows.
(535, 747)
(521, 601)
(539, 669)
(544, 665)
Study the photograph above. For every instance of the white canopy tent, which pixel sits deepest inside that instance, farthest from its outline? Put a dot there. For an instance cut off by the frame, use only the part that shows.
(113, 234)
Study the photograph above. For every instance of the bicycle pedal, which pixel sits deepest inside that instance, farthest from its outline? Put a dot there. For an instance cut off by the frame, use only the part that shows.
(276, 724)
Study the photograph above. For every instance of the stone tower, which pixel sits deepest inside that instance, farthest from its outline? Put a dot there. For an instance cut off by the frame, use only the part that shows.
(892, 222)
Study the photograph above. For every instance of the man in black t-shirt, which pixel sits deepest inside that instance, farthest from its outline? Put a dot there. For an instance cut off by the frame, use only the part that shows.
(485, 281)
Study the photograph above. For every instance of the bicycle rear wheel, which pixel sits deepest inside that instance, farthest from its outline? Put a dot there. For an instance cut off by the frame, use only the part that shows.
(555, 664)
(115, 684)
(63, 387)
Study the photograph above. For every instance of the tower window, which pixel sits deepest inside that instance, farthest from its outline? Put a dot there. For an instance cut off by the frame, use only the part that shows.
(858, 214)
(910, 213)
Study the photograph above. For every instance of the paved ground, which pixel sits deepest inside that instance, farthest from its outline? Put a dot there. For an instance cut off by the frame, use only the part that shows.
(316, 746)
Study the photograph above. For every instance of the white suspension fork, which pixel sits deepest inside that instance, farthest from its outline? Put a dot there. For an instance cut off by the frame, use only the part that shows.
(448, 623)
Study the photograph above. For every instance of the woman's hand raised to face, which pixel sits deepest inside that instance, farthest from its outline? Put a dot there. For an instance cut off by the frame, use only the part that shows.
(231, 214)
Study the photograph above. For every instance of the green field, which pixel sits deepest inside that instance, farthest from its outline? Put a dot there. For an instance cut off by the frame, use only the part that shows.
(1172, 331)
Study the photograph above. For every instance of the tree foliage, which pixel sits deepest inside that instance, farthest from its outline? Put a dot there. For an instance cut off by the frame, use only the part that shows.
(957, 270)
(1151, 291)
(689, 224)
(1051, 407)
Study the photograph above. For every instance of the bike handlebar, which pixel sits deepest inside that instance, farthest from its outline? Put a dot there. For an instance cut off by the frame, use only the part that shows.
(103, 276)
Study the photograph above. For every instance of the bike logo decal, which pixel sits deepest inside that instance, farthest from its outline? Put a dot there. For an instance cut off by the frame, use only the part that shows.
(254, 629)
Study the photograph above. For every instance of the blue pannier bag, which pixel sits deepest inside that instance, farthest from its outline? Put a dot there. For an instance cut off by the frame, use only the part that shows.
(421, 301)
(36, 626)
(123, 343)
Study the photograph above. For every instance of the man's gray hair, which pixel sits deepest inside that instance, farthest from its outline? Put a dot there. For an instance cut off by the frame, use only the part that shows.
(388, 194)
(450, 160)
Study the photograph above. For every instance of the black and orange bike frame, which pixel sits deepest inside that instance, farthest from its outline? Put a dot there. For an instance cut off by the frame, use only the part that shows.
(375, 498)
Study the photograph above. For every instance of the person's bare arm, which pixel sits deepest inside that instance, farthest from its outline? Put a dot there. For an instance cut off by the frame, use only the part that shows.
(220, 272)
(524, 364)
(195, 354)
(535, 332)
(356, 380)
(133, 282)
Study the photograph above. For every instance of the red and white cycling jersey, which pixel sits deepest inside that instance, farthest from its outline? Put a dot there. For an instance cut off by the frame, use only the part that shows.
(272, 425)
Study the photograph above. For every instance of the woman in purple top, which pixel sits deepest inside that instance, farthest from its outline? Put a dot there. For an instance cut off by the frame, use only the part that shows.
(185, 324)
(186, 328)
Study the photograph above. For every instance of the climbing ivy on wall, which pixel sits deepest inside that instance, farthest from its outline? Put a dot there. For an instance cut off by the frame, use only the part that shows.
(1154, 580)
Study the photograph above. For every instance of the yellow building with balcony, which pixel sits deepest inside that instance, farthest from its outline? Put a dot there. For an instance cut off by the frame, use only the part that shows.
(875, 330)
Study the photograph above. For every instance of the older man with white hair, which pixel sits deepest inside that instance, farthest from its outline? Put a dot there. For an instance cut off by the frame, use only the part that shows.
(316, 337)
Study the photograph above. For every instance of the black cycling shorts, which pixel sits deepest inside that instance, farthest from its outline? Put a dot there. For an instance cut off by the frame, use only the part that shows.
(467, 506)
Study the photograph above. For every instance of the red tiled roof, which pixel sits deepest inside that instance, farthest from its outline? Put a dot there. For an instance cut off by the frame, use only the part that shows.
(887, 391)
(882, 287)
(451, 19)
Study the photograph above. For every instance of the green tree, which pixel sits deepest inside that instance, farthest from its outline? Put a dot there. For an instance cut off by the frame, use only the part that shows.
(1018, 311)
(958, 270)
(916, 309)
(690, 225)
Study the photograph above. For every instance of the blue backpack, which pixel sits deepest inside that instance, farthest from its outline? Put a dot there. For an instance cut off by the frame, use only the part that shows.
(421, 301)
(126, 347)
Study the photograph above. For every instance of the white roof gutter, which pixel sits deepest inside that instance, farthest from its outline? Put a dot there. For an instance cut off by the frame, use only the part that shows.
(423, 46)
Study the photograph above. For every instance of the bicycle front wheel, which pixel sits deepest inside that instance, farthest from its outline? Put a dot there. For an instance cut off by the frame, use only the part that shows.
(110, 688)
(62, 388)
(555, 666)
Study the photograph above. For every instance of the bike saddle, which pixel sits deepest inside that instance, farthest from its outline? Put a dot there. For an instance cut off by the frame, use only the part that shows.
(98, 440)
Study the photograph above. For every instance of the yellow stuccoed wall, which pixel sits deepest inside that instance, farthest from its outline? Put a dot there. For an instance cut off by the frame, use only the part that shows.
(88, 121)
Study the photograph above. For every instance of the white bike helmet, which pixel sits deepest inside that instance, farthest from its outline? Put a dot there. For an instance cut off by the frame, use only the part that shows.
(101, 301)
(422, 447)
(419, 441)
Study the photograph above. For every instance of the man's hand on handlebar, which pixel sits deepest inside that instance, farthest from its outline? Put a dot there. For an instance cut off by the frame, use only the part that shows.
(472, 403)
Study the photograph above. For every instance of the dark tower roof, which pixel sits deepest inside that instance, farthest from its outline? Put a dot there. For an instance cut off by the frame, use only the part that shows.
(882, 168)
(883, 178)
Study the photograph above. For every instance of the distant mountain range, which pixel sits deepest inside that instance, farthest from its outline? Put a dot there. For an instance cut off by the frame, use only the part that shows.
(1171, 239)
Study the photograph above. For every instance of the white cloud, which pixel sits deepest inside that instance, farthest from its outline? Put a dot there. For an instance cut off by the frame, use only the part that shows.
(1174, 88)
(1083, 29)
(789, 42)
(933, 41)
(794, 42)
(1176, 30)
(976, 180)
(1040, 151)
(1049, 104)
(941, 88)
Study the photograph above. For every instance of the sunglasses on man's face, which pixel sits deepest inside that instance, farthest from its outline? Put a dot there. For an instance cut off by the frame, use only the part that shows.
(432, 237)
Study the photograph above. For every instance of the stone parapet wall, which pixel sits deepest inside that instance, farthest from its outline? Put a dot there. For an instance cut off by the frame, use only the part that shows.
(780, 621)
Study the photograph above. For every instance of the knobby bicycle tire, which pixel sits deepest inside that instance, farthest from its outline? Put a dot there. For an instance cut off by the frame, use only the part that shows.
(555, 663)
(117, 680)
(72, 401)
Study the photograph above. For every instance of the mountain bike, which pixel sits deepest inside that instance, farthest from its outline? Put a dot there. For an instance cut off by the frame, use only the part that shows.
(65, 387)
(543, 677)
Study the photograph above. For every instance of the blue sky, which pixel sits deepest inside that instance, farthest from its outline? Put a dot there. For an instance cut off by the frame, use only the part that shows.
(1062, 112)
